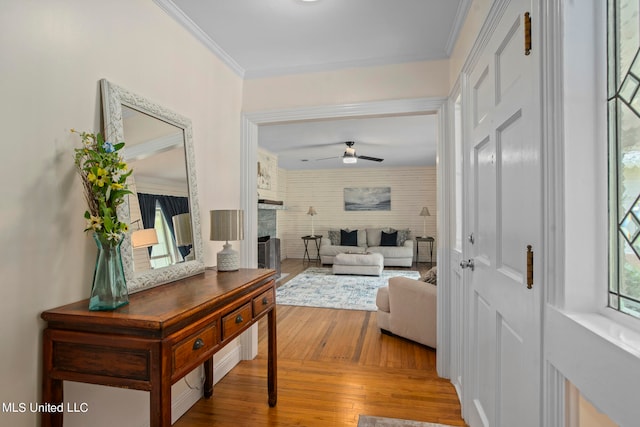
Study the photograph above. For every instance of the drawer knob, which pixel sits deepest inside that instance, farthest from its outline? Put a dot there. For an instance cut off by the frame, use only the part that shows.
(239, 319)
(198, 344)
(265, 301)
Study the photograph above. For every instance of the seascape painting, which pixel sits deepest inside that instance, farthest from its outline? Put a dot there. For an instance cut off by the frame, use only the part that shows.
(367, 199)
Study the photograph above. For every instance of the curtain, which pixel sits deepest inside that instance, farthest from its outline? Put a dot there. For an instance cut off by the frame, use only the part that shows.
(148, 211)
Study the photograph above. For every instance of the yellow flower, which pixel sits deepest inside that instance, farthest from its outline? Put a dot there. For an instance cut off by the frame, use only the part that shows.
(116, 186)
(100, 176)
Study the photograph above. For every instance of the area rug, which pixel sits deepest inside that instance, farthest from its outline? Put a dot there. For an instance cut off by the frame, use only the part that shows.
(319, 287)
(369, 421)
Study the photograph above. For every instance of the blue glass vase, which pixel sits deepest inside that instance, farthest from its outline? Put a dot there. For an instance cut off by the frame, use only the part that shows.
(109, 290)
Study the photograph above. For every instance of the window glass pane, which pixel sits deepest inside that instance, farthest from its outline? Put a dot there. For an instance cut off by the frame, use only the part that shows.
(624, 154)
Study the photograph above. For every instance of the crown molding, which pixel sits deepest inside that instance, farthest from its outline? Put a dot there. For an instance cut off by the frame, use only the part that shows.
(461, 15)
(176, 13)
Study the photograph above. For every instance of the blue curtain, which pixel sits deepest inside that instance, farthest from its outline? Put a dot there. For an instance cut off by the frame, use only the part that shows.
(148, 211)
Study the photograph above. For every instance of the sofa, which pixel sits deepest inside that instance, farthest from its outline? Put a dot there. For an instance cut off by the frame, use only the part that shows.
(395, 246)
(408, 308)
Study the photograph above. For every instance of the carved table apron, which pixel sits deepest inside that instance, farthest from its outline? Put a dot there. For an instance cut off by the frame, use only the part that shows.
(160, 336)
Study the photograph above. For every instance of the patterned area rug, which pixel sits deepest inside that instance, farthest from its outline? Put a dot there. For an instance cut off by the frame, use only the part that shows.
(368, 421)
(319, 287)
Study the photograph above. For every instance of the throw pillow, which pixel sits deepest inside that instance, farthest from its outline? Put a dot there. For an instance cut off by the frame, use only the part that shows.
(348, 238)
(334, 237)
(389, 239)
(403, 236)
(373, 237)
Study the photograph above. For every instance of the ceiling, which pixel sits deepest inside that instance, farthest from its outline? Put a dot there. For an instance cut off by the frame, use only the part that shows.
(262, 38)
(400, 140)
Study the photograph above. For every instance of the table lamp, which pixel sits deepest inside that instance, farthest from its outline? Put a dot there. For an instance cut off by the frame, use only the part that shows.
(227, 225)
(312, 212)
(424, 213)
(184, 233)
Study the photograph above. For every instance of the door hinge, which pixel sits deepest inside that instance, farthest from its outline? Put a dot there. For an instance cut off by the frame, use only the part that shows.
(527, 33)
(529, 267)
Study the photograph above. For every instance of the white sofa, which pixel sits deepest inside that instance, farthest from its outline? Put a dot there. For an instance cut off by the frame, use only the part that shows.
(408, 308)
(369, 240)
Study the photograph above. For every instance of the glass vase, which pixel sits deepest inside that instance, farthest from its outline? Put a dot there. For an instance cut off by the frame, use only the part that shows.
(109, 290)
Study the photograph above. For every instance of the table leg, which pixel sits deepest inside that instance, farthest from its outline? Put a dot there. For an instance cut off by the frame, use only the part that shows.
(52, 389)
(306, 252)
(272, 363)
(431, 253)
(208, 378)
(318, 251)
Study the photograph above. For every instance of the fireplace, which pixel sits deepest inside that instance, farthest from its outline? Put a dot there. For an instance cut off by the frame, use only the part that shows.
(269, 253)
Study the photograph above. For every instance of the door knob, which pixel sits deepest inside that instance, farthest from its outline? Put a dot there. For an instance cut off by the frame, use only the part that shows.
(467, 264)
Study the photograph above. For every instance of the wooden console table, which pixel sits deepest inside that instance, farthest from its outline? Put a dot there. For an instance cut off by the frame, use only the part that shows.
(161, 335)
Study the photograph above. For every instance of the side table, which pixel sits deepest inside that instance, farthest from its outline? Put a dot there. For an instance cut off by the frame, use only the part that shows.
(430, 241)
(317, 240)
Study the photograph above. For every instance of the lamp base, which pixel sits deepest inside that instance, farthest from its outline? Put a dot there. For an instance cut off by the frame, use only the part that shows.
(228, 259)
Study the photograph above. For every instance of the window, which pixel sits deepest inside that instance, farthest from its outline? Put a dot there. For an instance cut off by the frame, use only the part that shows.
(623, 61)
(164, 253)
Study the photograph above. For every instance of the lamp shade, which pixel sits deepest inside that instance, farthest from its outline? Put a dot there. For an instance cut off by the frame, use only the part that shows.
(425, 212)
(182, 229)
(144, 238)
(312, 211)
(227, 225)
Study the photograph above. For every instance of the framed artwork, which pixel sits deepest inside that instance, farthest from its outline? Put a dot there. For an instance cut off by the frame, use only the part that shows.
(266, 170)
(367, 199)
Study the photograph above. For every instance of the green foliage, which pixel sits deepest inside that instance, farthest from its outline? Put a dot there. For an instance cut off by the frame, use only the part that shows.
(104, 175)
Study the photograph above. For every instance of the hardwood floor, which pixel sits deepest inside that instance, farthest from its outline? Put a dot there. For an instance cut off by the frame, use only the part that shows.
(333, 365)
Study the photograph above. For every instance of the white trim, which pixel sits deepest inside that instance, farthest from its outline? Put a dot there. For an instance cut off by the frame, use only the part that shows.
(553, 392)
(176, 13)
(443, 167)
(184, 401)
(249, 149)
(498, 8)
(461, 15)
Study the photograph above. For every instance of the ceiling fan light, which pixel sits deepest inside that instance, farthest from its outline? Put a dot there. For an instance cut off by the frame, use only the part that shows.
(349, 159)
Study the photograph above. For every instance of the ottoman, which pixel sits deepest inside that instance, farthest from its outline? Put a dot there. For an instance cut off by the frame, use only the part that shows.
(361, 264)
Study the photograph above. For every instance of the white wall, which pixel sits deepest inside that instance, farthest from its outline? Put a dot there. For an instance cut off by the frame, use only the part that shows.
(411, 189)
(53, 55)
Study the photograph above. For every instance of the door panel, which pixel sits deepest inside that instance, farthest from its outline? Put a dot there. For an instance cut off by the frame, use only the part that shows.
(504, 214)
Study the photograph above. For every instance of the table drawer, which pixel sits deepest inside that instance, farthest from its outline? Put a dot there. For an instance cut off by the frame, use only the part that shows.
(263, 302)
(192, 348)
(236, 320)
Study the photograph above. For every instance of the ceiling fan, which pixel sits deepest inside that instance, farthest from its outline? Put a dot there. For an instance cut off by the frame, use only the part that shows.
(350, 155)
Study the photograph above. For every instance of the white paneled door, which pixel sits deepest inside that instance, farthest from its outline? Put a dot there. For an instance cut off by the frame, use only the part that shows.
(504, 214)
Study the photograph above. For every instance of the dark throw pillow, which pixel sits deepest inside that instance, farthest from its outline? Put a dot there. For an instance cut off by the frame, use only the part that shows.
(349, 238)
(389, 239)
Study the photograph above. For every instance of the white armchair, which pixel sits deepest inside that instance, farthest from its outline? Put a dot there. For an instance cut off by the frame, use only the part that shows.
(408, 308)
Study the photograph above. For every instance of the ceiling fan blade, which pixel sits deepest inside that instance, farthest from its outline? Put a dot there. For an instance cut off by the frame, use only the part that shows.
(328, 158)
(374, 159)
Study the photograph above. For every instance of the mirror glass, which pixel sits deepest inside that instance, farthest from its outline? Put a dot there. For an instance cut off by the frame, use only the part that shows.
(164, 243)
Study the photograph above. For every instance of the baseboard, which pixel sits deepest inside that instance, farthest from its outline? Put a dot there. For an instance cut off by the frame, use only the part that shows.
(184, 401)
(226, 364)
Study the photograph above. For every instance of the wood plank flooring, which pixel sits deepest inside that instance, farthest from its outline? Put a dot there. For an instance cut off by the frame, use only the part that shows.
(333, 365)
